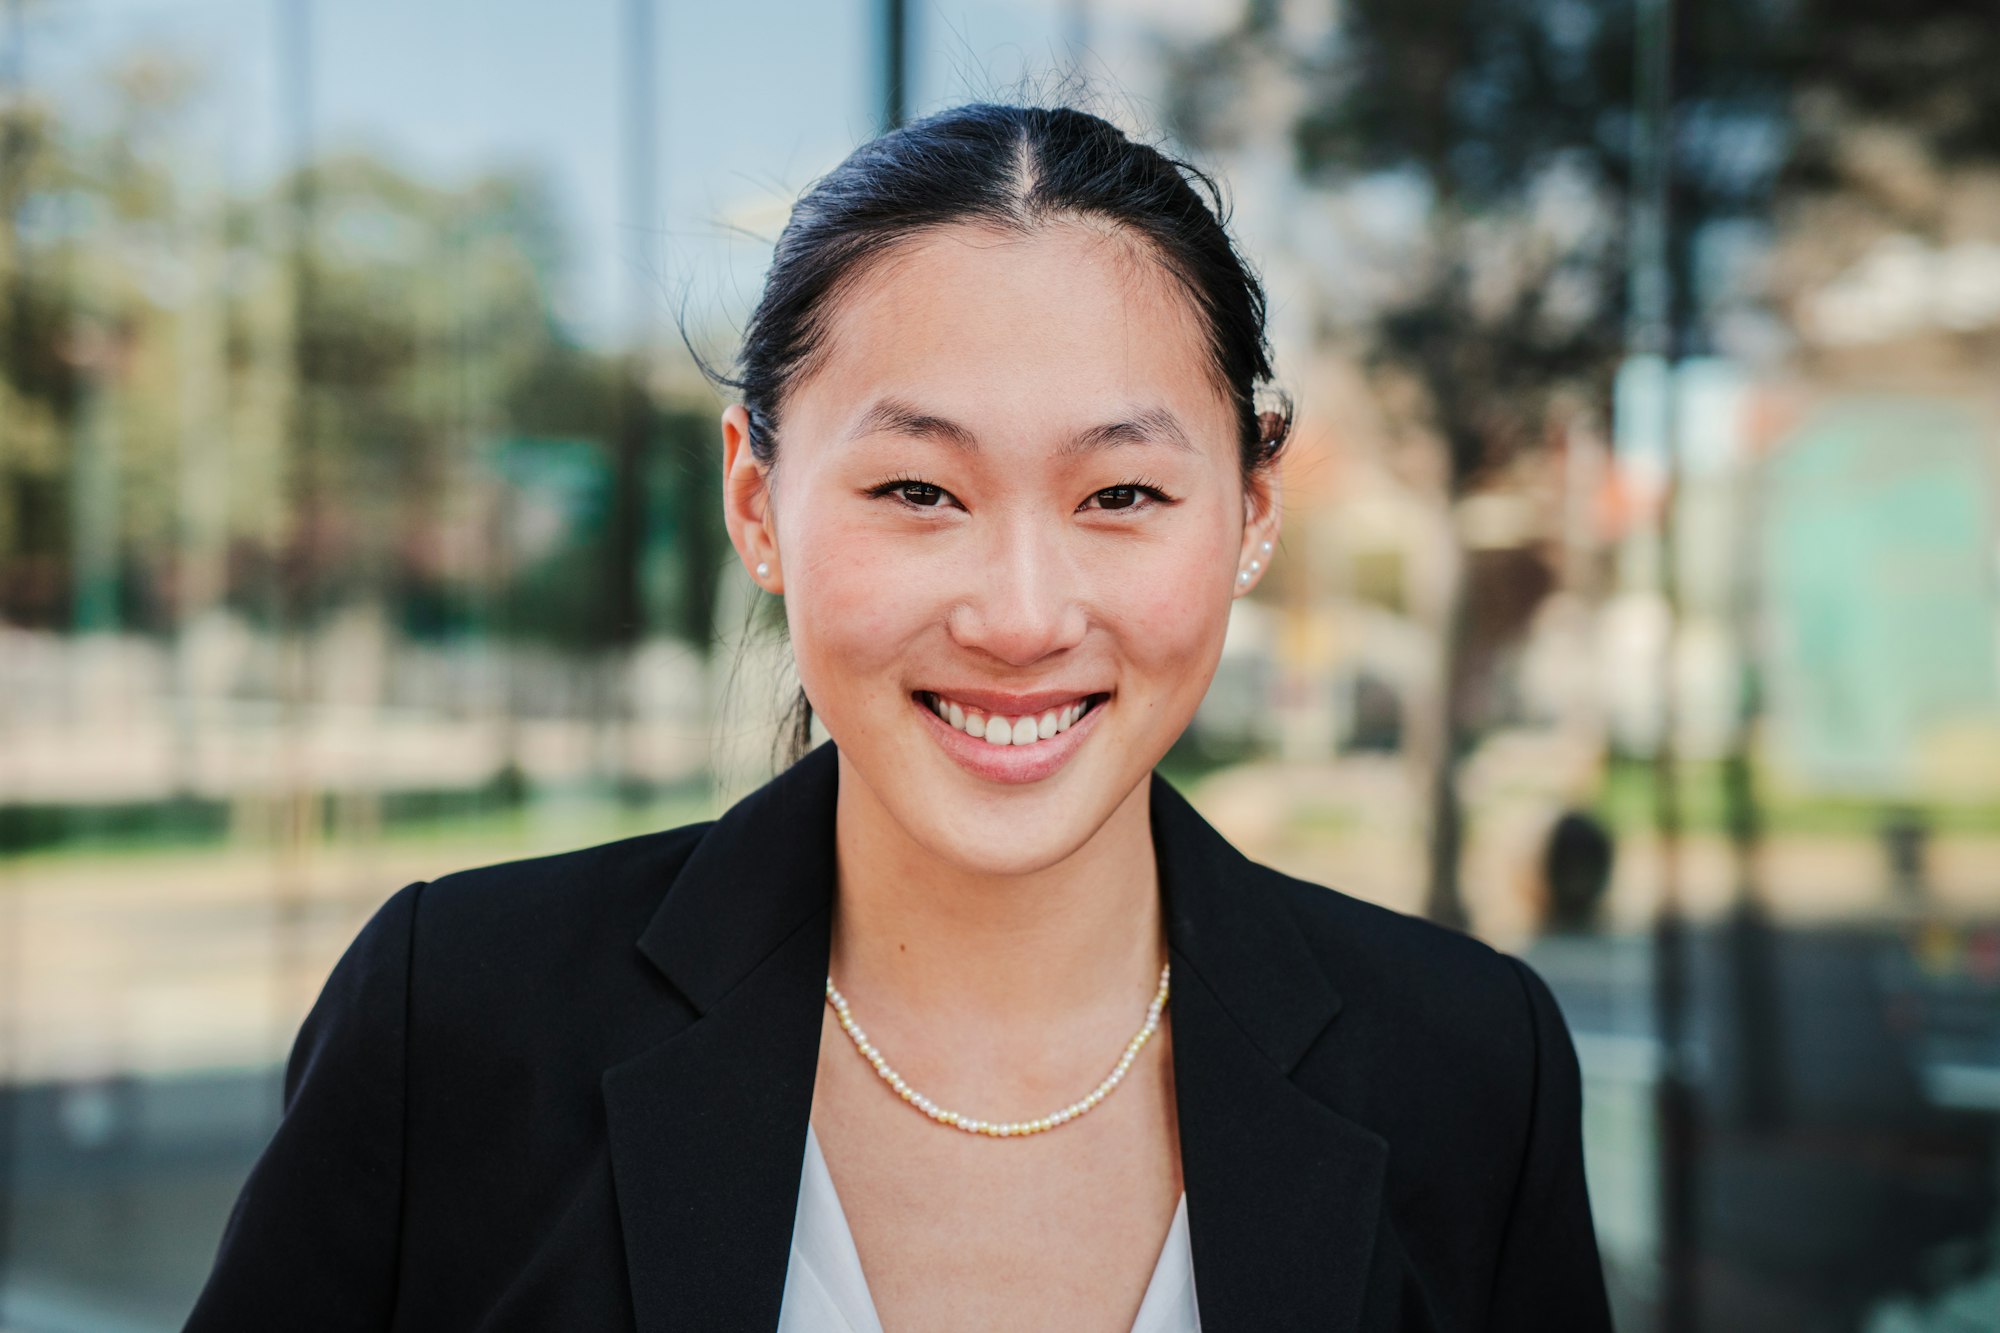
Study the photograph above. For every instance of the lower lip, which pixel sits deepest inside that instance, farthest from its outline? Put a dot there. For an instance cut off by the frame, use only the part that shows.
(1010, 763)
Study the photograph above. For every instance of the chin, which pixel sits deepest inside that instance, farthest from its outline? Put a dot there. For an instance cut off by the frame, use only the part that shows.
(994, 828)
(1034, 840)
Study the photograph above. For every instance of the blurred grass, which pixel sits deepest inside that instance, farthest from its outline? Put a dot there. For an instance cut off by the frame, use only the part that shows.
(509, 822)
(500, 816)
(507, 828)
(1628, 800)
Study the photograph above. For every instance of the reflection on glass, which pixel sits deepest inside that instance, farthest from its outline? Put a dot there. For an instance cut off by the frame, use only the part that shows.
(358, 522)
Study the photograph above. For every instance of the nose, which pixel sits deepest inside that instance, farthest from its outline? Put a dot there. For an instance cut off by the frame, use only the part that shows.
(1022, 601)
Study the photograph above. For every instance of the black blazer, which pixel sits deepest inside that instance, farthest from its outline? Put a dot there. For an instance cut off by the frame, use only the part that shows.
(572, 1093)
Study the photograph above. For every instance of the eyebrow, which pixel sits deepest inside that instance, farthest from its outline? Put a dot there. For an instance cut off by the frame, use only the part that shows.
(893, 416)
(1154, 424)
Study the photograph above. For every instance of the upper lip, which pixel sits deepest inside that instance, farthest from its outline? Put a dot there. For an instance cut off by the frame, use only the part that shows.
(1004, 704)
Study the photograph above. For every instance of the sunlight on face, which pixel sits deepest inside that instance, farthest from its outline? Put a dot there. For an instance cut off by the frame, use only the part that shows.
(1009, 494)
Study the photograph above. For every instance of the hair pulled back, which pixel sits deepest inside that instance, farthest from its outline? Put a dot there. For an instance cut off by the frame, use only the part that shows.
(1011, 168)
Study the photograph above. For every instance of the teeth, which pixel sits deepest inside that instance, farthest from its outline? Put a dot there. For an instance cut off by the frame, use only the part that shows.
(997, 730)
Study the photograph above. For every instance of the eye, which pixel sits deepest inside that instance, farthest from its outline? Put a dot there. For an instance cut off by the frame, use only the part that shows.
(909, 490)
(1131, 495)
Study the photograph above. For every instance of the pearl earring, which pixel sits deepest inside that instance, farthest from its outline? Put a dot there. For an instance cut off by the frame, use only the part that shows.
(763, 570)
(1242, 578)
(1265, 547)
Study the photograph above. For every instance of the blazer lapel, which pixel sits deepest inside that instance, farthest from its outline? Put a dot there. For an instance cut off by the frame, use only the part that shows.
(708, 1128)
(1284, 1193)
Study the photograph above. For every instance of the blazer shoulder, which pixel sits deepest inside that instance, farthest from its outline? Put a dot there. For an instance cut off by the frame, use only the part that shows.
(1337, 922)
(609, 887)
(1409, 971)
(1444, 1044)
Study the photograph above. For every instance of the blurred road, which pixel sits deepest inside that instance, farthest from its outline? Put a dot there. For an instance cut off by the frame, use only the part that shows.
(1858, 1081)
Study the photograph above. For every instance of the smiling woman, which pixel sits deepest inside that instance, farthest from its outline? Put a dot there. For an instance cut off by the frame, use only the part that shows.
(998, 444)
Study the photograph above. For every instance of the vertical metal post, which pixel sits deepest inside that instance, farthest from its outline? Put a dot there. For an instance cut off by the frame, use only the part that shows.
(894, 62)
(296, 593)
(13, 149)
(1758, 1074)
(1652, 332)
(1076, 33)
(296, 92)
(95, 447)
(99, 331)
(201, 337)
(641, 142)
(14, 143)
(633, 448)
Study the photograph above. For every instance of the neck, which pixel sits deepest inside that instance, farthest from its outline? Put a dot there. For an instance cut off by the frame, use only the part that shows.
(931, 936)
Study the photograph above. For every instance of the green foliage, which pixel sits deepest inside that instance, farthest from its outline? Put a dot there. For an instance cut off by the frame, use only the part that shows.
(1627, 805)
(1510, 125)
(314, 380)
(1924, 67)
(1480, 107)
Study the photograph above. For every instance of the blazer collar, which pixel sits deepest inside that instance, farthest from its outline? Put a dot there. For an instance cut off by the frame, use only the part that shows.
(766, 867)
(707, 1129)
(762, 871)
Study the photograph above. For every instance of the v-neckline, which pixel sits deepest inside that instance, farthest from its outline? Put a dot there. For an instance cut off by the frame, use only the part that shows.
(825, 1276)
(706, 1120)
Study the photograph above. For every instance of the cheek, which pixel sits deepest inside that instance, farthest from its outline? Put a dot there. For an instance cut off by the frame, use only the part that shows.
(1172, 608)
(849, 603)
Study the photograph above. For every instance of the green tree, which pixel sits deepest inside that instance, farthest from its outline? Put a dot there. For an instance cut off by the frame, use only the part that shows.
(1507, 123)
(1518, 125)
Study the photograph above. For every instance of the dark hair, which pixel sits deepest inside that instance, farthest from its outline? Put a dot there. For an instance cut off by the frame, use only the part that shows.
(1012, 168)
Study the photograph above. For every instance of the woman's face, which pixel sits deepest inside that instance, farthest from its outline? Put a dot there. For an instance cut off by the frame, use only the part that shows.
(1007, 518)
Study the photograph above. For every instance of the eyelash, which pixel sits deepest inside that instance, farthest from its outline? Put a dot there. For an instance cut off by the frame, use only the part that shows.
(1146, 488)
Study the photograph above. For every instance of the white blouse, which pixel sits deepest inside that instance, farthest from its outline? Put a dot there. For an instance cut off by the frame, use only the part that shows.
(825, 1291)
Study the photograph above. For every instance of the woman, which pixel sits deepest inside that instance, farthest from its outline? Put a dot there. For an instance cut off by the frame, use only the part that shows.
(966, 1020)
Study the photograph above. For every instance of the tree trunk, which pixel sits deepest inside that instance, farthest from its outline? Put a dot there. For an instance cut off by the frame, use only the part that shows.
(1443, 899)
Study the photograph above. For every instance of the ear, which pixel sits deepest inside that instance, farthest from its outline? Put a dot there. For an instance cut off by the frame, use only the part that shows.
(1262, 504)
(746, 502)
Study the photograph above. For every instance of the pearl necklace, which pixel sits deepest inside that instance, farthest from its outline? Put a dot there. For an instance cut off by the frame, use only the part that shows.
(1004, 1129)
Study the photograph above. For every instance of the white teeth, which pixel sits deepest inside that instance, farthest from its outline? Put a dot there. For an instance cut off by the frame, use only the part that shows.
(997, 730)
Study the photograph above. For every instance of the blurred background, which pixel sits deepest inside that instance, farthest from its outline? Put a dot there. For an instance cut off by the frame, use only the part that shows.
(1635, 611)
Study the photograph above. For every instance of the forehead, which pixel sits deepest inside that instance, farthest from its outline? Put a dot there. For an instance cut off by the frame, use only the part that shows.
(1054, 323)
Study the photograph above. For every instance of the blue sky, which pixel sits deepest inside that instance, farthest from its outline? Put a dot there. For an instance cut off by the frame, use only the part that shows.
(755, 98)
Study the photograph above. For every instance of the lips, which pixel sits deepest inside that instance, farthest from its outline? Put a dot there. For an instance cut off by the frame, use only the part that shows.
(1004, 716)
(1003, 720)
